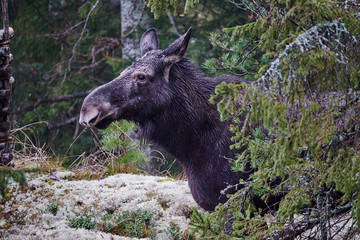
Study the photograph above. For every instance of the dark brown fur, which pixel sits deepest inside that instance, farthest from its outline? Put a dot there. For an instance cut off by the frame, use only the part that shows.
(172, 108)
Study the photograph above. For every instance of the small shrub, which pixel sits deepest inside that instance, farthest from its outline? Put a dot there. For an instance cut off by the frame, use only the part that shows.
(175, 232)
(125, 152)
(129, 224)
(18, 218)
(7, 173)
(82, 222)
(52, 208)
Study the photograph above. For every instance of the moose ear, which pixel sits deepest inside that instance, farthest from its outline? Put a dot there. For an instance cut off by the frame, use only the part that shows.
(149, 41)
(175, 51)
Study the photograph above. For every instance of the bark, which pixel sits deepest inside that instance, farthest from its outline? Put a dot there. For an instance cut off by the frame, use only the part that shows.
(5, 88)
(133, 15)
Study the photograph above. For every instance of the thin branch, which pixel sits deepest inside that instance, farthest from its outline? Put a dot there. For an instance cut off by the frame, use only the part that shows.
(58, 36)
(64, 123)
(114, 43)
(223, 67)
(51, 100)
(343, 226)
(172, 22)
(92, 65)
(247, 55)
(246, 7)
(81, 35)
(303, 226)
(349, 231)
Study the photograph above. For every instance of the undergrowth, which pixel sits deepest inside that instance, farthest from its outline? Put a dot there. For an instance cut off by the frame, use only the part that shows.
(135, 224)
(82, 221)
(51, 208)
(175, 232)
(128, 223)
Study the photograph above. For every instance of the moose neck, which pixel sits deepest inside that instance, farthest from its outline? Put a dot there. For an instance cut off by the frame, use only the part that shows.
(190, 127)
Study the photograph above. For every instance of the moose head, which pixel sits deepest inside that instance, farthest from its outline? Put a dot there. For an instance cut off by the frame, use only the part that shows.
(141, 90)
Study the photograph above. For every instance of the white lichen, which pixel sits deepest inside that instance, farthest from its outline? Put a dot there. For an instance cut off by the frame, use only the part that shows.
(169, 201)
(324, 36)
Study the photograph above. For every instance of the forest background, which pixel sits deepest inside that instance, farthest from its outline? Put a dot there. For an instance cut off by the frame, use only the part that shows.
(66, 48)
(303, 60)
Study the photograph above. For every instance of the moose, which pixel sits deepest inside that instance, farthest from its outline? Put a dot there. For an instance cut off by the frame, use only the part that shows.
(167, 95)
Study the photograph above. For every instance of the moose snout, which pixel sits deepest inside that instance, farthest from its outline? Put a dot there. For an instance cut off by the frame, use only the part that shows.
(98, 115)
(89, 116)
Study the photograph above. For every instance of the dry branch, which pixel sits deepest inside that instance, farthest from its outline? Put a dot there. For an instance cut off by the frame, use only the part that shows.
(81, 35)
(52, 100)
(301, 227)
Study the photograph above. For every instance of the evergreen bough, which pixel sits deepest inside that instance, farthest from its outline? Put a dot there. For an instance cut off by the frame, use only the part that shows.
(9, 173)
(302, 109)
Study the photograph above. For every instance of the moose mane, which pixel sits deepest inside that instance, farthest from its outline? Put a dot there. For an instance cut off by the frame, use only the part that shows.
(190, 116)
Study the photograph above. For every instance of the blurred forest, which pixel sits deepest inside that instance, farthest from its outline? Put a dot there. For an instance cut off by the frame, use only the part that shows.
(302, 60)
(63, 49)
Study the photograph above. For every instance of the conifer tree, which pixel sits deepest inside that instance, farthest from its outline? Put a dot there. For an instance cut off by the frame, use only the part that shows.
(302, 106)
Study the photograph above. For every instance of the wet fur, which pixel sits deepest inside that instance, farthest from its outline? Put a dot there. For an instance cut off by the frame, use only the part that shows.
(190, 129)
(173, 110)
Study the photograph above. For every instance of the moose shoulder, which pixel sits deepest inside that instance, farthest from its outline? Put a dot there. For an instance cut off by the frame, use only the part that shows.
(167, 95)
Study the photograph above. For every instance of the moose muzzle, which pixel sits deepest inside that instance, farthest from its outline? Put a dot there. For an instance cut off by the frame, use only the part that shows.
(89, 116)
(94, 114)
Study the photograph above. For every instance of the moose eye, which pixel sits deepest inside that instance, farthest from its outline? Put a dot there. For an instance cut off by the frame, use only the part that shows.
(140, 78)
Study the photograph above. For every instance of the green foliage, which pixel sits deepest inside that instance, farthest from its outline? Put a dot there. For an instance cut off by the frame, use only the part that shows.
(42, 49)
(52, 208)
(82, 221)
(7, 174)
(207, 225)
(128, 156)
(275, 24)
(135, 224)
(305, 145)
(45, 35)
(159, 6)
(116, 136)
(176, 234)
(117, 64)
(293, 120)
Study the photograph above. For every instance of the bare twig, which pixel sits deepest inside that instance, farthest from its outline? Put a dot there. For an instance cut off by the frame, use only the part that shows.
(349, 231)
(51, 100)
(58, 36)
(303, 226)
(64, 123)
(81, 35)
(247, 55)
(244, 6)
(172, 22)
(342, 227)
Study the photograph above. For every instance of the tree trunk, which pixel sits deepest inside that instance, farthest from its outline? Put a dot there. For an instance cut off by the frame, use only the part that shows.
(133, 15)
(6, 81)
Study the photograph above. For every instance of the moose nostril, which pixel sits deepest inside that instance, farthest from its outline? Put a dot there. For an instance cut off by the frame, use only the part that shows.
(89, 117)
(93, 120)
